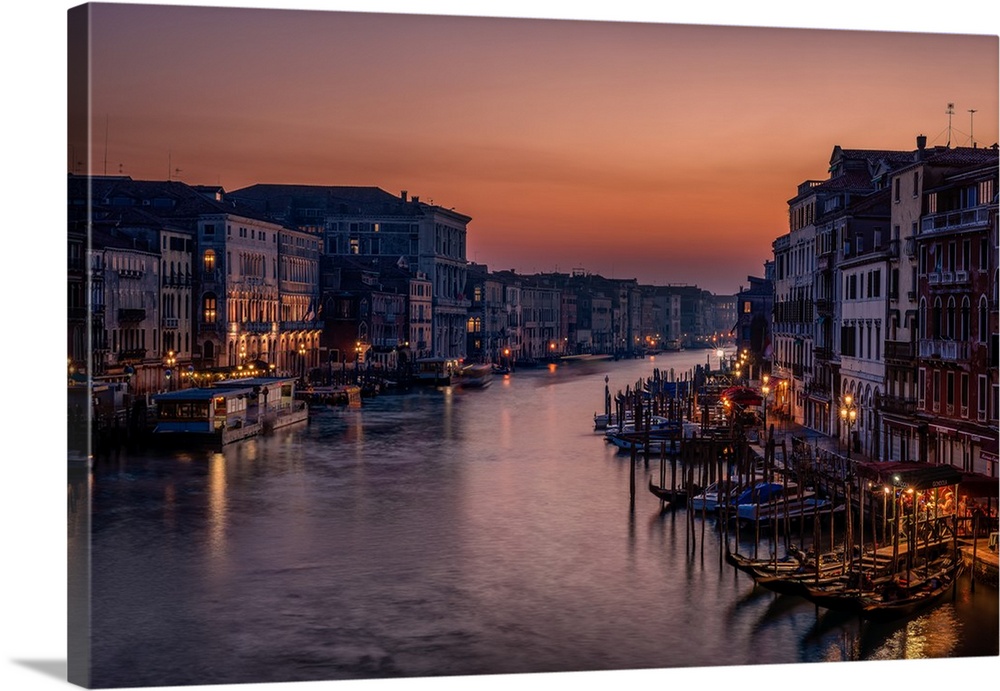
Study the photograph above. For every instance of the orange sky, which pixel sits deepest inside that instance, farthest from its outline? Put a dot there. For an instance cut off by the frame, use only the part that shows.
(661, 152)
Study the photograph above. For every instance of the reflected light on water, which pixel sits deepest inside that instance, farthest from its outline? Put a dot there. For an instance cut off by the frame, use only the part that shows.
(933, 635)
(217, 505)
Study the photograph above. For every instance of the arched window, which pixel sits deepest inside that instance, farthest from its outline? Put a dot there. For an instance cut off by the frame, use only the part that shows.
(964, 317)
(936, 316)
(209, 262)
(950, 319)
(984, 318)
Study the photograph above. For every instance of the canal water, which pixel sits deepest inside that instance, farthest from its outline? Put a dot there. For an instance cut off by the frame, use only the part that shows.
(443, 532)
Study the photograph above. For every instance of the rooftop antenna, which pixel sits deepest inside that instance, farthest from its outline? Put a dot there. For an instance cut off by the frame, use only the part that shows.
(950, 111)
(972, 114)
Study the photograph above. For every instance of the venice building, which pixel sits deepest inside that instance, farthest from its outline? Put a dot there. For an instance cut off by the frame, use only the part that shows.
(368, 223)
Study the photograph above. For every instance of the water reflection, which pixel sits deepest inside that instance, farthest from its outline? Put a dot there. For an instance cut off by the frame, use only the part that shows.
(217, 506)
(440, 531)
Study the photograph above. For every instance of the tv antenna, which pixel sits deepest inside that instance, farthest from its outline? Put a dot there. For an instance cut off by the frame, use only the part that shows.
(950, 111)
(972, 114)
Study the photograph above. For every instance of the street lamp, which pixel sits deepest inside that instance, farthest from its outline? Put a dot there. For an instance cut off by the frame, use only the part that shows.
(848, 414)
(302, 359)
(170, 361)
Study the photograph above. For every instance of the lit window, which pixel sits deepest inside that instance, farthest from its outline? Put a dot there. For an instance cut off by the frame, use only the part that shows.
(209, 260)
(209, 307)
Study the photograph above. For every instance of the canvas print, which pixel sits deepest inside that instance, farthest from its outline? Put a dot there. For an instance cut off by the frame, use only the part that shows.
(426, 346)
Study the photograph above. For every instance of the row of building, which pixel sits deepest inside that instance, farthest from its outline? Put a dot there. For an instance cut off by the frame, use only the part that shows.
(877, 315)
(170, 282)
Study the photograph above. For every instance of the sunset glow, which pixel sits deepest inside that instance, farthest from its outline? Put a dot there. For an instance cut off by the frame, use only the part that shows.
(661, 152)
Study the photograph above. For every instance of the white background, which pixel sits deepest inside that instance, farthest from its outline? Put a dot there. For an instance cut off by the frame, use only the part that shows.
(32, 354)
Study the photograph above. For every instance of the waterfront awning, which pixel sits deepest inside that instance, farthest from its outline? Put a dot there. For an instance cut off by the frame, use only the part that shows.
(742, 395)
(913, 475)
(979, 485)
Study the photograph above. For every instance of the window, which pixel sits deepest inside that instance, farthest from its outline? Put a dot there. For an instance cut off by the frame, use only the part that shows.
(209, 229)
(981, 402)
(209, 261)
(966, 254)
(921, 384)
(209, 306)
(984, 319)
(916, 183)
(936, 391)
(964, 396)
(984, 254)
(986, 191)
(964, 318)
(746, 307)
(895, 189)
(949, 393)
(848, 340)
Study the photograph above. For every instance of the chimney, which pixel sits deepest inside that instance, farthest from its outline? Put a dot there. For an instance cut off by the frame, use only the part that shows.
(921, 142)
(416, 199)
(402, 195)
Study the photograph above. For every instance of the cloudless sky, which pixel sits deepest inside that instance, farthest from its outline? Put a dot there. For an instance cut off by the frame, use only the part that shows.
(656, 151)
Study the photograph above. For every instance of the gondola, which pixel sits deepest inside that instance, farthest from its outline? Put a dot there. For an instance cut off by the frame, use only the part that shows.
(674, 497)
(887, 597)
(898, 601)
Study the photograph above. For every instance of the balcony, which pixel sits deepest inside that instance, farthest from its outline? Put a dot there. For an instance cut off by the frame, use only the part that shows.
(170, 322)
(899, 350)
(934, 278)
(817, 388)
(131, 355)
(302, 326)
(894, 248)
(949, 351)
(955, 220)
(897, 405)
(823, 353)
(131, 315)
(824, 306)
(910, 247)
(130, 273)
(257, 327)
